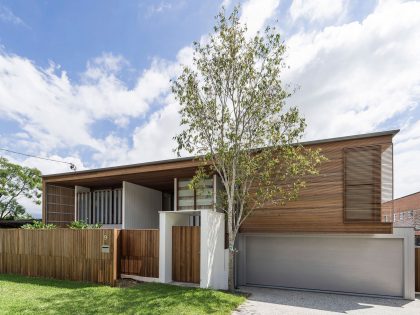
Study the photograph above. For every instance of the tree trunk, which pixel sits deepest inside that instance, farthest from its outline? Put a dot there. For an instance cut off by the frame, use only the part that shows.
(231, 270)
(231, 282)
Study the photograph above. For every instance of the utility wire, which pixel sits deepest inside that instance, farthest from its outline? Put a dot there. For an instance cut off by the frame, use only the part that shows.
(72, 166)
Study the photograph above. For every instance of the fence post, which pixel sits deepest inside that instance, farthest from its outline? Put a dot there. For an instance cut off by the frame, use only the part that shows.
(116, 257)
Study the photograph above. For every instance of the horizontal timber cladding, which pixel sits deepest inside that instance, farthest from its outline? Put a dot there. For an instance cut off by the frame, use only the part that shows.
(320, 206)
(60, 254)
(140, 252)
(59, 205)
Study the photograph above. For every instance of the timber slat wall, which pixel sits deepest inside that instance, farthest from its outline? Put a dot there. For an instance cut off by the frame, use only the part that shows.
(417, 267)
(320, 206)
(61, 254)
(140, 252)
(186, 254)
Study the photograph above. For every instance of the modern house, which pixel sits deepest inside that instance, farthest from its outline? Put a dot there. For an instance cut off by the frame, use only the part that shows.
(338, 236)
(407, 213)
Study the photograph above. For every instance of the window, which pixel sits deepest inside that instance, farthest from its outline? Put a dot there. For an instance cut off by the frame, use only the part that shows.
(195, 199)
(410, 214)
(401, 216)
(362, 184)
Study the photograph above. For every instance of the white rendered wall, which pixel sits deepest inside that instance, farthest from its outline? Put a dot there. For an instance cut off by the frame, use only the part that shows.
(213, 263)
(141, 206)
(213, 267)
(407, 234)
(167, 221)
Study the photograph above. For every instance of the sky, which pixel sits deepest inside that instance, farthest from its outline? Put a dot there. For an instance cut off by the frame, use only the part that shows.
(88, 82)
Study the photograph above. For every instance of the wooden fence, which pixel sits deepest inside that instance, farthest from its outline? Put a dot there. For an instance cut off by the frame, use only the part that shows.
(417, 267)
(140, 252)
(186, 254)
(81, 255)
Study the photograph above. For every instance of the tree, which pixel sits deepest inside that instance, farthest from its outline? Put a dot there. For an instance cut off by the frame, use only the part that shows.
(16, 182)
(235, 120)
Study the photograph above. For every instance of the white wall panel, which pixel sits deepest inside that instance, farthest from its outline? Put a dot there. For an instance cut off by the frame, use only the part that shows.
(141, 206)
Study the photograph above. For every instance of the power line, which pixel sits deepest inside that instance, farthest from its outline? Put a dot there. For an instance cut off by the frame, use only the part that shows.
(72, 166)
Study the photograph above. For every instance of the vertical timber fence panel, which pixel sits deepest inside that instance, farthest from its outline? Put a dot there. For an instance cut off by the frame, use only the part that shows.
(140, 252)
(79, 255)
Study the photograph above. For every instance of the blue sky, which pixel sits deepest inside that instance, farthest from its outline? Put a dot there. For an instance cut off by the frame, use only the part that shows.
(88, 81)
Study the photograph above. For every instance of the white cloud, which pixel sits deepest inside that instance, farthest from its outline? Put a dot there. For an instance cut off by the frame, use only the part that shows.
(256, 13)
(319, 10)
(160, 7)
(356, 77)
(55, 113)
(358, 72)
(7, 16)
(226, 3)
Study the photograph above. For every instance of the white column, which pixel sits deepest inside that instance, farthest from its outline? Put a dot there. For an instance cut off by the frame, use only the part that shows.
(407, 234)
(213, 263)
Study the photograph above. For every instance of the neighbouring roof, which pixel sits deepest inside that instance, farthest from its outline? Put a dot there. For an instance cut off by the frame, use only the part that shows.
(313, 142)
(406, 196)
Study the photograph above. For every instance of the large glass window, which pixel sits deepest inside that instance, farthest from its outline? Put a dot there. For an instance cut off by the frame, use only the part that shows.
(195, 199)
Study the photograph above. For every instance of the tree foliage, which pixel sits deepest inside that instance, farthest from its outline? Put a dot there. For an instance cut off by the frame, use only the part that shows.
(236, 121)
(17, 182)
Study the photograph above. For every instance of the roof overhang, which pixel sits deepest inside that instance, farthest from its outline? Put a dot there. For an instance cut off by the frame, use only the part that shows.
(160, 174)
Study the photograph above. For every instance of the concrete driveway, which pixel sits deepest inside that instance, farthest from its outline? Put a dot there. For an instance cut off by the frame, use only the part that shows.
(276, 301)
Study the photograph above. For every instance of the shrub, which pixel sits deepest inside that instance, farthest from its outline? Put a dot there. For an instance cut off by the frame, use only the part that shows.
(38, 225)
(80, 225)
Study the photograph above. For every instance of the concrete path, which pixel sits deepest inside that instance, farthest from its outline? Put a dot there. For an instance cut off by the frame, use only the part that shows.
(284, 302)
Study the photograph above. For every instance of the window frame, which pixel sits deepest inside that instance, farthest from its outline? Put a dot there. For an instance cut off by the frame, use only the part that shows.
(195, 194)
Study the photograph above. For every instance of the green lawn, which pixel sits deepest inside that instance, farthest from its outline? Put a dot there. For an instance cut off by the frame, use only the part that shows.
(22, 295)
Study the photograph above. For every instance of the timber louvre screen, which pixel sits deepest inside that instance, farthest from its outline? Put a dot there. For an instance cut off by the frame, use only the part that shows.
(60, 205)
(362, 183)
(100, 206)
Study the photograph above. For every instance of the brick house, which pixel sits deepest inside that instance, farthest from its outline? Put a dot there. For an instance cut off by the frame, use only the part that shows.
(407, 213)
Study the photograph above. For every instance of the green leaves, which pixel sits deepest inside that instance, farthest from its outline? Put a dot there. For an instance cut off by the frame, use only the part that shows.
(234, 118)
(82, 225)
(15, 182)
(38, 225)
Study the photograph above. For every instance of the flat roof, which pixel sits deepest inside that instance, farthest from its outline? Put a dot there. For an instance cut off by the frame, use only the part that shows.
(345, 138)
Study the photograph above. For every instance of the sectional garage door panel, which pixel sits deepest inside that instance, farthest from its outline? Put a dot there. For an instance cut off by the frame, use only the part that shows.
(342, 264)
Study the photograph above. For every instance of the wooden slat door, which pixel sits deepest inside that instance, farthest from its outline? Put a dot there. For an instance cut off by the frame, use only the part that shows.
(186, 254)
(140, 252)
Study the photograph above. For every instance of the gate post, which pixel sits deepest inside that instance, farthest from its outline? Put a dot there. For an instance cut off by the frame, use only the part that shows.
(116, 256)
(168, 219)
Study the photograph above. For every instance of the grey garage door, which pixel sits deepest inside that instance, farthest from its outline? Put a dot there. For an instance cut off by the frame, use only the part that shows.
(343, 264)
